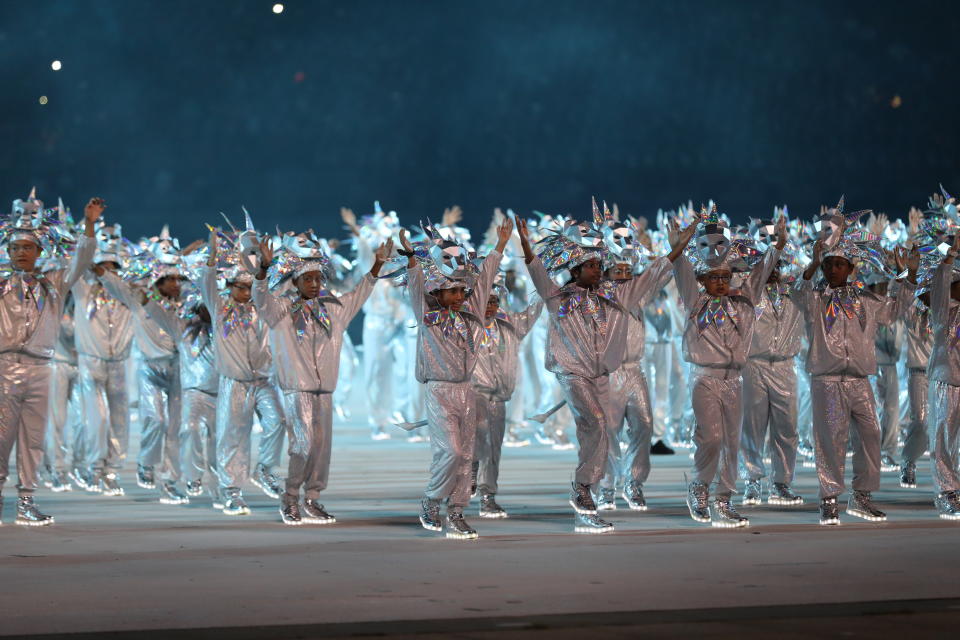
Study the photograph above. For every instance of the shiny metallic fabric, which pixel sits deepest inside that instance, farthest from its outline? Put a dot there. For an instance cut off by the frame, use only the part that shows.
(60, 482)
(451, 424)
(430, 514)
(64, 423)
(159, 381)
(106, 412)
(633, 494)
(888, 400)
(861, 505)
(24, 398)
(888, 464)
(152, 341)
(28, 514)
(944, 407)
(145, 477)
(916, 440)
(589, 401)
(606, 500)
(782, 495)
(499, 351)
(724, 515)
(752, 493)
(234, 504)
(194, 488)
(197, 430)
(314, 513)
(839, 403)
(698, 496)
(489, 507)
(769, 405)
(491, 424)
(908, 476)
(110, 484)
(266, 481)
(718, 411)
(290, 510)
(456, 527)
(581, 500)
(381, 335)
(829, 511)
(170, 494)
(85, 479)
(630, 403)
(217, 500)
(948, 505)
(309, 419)
(237, 404)
(587, 523)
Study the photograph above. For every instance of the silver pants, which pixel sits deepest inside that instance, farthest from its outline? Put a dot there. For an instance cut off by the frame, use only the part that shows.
(630, 401)
(491, 425)
(657, 366)
(769, 400)
(839, 402)
(198, 459)
(945, 423)
(309, 419)
(804, 406)
(237, 401)
(452, 423)
(888, 395)
(160, 416)
(63, 419)
(589, 400)
(24, 398)
(917, 440)
(106, 412)
(718, 409)
(379, 335)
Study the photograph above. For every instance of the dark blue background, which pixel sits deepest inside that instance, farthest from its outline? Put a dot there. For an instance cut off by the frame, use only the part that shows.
(176, 110)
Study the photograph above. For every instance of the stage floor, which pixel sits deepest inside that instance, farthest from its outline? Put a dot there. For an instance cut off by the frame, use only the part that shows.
(132, 564)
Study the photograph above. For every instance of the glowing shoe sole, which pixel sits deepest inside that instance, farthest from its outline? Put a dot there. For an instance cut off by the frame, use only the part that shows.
(34, 523)
(865, 515)
(725, 524)
(430, 527)
(782, 502)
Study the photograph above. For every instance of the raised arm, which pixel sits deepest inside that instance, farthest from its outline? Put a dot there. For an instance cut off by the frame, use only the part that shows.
(524, 320)
(166, 319)
(121, 290)
(488, 272)
(86, 247)
(270, 309)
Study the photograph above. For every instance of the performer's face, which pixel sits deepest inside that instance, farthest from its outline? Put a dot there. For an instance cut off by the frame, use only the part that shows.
(493, 305)
(716, 282)
(240, 291)
(23, 254)
(836, 270)
(451, 298)
(588, 274)
(169, 286)
(309, 284)
(620, 272)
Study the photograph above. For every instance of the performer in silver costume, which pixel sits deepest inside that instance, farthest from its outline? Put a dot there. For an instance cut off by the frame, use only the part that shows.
(716, 341)
(104, 332)
(199, 383)
(243, 358)
(306, 330)
(63, 417)
(889, 344)
(841, 322)
(494, 380)
(31, 306)
(587, 338)
(770, 386)
(916, 319)
(159, 378)
(450, 331)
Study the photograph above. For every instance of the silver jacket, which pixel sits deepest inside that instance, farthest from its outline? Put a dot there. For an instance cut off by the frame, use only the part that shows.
(576, 342)
(307, 352)
(916, 319)
(66, 349)
(27, 327)
(778, 328)
(198, 369)
(241, 339)
(848, 348)
(637, 323)
(447, 343)
(152, 340)
(104, 325)
(499, 351)
(945, 318)
(726, 346)
(386, 302)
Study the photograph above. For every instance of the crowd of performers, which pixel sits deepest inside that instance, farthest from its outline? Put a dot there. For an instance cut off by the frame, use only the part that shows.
(763, 343)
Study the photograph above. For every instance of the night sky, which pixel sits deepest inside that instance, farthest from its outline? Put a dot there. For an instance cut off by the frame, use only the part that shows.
(176, 110)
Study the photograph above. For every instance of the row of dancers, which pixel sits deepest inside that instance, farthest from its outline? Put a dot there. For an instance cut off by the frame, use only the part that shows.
(249, 326)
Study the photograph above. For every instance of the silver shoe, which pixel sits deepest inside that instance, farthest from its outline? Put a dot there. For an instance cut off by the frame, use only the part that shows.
(543, 437)
(430, 515)
(489, 507)
(781, 494)
(169, 494)
(290, 510)
(698, 496)
(861, 505)
(948, 505)
(377, 432)
(110, 485)
(581, 500)
(29, 515)
(513, 439)
(725, 515)
(457, 527)
(194, 488)
(217, 499)
(235, 505)
(829, 511)
(752, 493)
(888, 464)
(561, 441)
(60, 482)
(81, 477)
(633, 494)
(267, 481)
(908, 476)
(586, 523)
(145, 478)
(607, 500)
(314, 513)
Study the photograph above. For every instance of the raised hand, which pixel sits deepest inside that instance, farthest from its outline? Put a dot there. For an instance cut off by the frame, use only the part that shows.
(266, 254)
(404, 240)
(193, 246)
(381, 255)
(503, 233)
(349, 219)
(452, 216)
(781, 231)
(91, 213)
